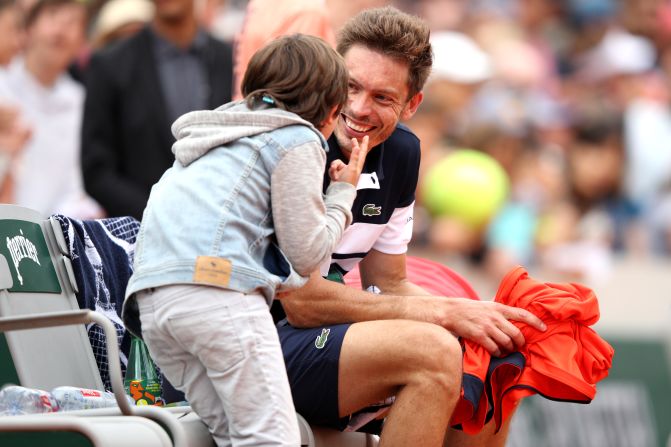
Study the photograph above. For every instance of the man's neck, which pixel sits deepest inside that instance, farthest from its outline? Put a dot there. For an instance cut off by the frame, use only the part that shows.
(181, 33)
(41, 70)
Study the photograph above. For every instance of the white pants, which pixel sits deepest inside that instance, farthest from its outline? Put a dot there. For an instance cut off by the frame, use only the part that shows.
(221, 349)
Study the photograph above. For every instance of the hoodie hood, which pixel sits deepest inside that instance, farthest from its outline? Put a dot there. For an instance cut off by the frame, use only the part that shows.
(200, 131)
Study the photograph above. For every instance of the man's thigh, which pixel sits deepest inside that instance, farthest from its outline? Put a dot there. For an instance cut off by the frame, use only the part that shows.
(312, 358)
(335, 371)
(379, 357)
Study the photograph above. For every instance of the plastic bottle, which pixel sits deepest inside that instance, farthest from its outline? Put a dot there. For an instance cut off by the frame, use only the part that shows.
(71, 398)
(18, 400)
(142, 382)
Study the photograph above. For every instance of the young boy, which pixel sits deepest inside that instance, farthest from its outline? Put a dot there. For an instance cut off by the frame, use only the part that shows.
(239, 217)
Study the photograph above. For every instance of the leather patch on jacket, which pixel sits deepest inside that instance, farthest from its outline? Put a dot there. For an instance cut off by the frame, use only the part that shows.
(212, 270)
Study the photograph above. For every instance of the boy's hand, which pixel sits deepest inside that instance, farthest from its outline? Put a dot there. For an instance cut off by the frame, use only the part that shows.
(350, 172)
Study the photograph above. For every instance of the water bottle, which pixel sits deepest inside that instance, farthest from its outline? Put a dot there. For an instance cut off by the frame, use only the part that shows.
(142, 382)
(71, 398)
(18, 400)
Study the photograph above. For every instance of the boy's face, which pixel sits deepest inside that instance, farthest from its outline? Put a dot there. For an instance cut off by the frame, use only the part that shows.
(10, 43)
(58, 34)
(377, 98)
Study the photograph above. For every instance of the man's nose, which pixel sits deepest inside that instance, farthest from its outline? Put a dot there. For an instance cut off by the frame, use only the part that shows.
(360, 105)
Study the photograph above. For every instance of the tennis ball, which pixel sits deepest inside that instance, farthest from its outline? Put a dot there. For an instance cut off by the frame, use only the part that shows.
(468, 185)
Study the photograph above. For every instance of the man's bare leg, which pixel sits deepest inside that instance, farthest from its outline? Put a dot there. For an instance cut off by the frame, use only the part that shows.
(418, 362)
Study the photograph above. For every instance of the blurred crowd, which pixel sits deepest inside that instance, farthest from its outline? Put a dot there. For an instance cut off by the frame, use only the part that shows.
(571, 97)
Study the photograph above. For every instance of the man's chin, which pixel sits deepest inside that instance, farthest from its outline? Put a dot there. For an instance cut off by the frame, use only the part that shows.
(343, 141)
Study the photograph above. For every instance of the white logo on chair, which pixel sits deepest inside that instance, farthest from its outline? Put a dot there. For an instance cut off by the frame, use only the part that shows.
(21, 248)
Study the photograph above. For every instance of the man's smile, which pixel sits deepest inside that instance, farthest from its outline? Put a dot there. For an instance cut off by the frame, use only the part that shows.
(356, 128)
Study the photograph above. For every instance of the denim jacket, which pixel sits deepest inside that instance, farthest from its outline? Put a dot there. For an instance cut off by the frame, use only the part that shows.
(244, 183)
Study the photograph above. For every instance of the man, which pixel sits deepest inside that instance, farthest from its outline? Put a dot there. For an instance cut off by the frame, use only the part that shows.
(396, 344)
(135, 90)
(46, 173)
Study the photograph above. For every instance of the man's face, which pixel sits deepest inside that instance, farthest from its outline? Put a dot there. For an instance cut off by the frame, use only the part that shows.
(377, 98)
(173, 10)
(58, 34)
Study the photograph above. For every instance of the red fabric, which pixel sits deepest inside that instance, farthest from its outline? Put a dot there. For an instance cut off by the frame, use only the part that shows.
(430, 275)
(563, 363)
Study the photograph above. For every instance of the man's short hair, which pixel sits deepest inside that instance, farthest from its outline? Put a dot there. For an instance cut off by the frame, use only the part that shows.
(301, 73)
(395, 34)
(41, 5)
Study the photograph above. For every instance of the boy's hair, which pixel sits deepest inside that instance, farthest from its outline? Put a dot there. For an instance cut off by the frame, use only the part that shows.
(41, 5)
(301, 74)
(395, 34)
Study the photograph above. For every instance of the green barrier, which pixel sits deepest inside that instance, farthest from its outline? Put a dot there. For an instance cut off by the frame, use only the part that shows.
(632, 407)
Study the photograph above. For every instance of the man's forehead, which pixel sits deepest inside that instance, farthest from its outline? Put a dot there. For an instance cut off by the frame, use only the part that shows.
(374, 69)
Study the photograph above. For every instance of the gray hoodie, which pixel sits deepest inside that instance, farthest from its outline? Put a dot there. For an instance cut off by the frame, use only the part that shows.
(246, 188)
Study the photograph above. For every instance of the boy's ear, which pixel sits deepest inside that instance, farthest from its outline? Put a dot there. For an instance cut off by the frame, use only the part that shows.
(332, 116)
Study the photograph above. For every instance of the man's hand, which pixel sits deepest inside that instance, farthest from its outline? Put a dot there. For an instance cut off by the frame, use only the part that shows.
(487, 323)
(350, 172)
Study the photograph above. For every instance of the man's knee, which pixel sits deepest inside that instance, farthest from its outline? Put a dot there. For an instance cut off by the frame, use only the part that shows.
(441, 357)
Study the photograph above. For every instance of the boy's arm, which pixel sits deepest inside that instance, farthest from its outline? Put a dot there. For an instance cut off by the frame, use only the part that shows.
(308, 225)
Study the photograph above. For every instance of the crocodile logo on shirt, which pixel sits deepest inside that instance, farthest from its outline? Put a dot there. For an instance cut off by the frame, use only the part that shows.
(370, 209)
(320, 341)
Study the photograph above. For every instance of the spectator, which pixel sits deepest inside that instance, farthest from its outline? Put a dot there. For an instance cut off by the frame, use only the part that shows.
(13, 134)
(47, 175)
(598, 218)
(135, 90)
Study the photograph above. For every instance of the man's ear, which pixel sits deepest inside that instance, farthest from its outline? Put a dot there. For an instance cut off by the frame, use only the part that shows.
(412, 105)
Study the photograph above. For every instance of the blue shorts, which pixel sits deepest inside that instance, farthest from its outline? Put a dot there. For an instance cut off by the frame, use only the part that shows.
(312, 357)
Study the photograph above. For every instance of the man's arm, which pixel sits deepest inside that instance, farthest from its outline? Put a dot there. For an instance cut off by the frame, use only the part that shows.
(388, 273)
(325, 302)
(321, 302)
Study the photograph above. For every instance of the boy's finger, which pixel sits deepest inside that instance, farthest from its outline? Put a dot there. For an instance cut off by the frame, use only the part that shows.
(363, 153)
(356, 152)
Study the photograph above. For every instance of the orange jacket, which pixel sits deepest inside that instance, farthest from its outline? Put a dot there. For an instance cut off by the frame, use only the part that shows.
(563, 363)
